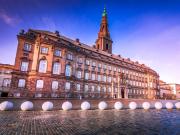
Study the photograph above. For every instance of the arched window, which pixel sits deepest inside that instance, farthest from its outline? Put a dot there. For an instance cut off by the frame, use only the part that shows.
(56, 68)
(68, 71)
(42, 66)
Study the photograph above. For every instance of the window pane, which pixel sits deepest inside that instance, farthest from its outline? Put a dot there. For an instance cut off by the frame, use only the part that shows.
(78, 87)
(54, 85)
(57, 52)
(86, 76)
(21, 83)
(44, 50)
(79, 73)
(69, 56)
(42, 66)
(68, 70)
(39, 84)
(27, 47)
(99, 77)
(93, 77)
(86, 88)
(24, 66)
(67, 86)
(6, 82)
(56, 68)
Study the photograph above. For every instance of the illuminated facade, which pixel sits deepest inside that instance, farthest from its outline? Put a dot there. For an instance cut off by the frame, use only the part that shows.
(50, 65)
(5, 79)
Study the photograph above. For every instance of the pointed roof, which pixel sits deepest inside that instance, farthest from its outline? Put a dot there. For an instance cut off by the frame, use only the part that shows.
(104, 12)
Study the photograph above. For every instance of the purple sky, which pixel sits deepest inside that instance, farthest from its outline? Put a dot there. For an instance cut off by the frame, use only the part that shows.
(147, 31)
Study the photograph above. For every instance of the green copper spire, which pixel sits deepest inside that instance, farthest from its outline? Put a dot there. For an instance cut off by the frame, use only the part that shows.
(104, 12)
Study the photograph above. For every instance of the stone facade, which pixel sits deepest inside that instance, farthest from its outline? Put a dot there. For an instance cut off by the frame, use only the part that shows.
(50, 65)
(165, 90)
(5, 78)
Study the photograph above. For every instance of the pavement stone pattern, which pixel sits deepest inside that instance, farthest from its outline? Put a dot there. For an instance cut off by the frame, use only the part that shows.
(91, 122)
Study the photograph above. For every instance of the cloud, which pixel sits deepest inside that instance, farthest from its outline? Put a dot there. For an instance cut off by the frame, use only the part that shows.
(9, 20)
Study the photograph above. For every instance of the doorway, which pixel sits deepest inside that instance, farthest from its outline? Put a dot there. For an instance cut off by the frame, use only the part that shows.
(4, 94)
(122, 93)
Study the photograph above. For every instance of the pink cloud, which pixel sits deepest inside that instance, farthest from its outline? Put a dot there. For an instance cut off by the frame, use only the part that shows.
(10, 20)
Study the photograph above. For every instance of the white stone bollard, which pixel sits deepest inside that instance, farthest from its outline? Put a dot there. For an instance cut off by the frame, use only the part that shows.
(158, 105)
(102, 105)
(27, 106)
(67, 106)
(177, 105)
(47, 106)
(146, 105)
(6, 105)
(169, 105)
(118, 105)
(85, 105)
(132, 105)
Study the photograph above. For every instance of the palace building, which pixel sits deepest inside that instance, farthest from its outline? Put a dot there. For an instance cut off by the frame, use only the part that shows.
(49, 64)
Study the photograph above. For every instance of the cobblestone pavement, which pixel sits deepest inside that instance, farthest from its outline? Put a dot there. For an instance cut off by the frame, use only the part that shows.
(92, 122)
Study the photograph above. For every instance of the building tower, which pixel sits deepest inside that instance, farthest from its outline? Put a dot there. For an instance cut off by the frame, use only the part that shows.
(104, 41)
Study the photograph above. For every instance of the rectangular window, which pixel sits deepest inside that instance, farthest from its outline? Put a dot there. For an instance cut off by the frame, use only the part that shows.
(104, 89)
(67, 86)
(6, 82)
(92, 88)
(39, 84)
(24, 66)
(99, 77)
(93, 63)
(56, 68)
(55, 85)
(98, 88)
(86, 76)
(104, 78)
(87, 62)
(21, 83)
(99, 65)
(115, 80)
(44, 50)
(57, 53)
(69, 56)
(93, 77)
(86, 88)
(79, 74)
(109, 89)
(78, 87)
(109, 79)
(104, 66)
(27, 47)
(68, 70)
(80, 60)
(109, 67)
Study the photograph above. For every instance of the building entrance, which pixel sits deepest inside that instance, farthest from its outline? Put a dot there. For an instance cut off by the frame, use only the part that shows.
(4, 94)
(122, 93)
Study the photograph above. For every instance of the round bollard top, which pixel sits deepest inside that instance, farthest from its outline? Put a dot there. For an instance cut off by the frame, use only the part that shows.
(67, 105)
(102, 105)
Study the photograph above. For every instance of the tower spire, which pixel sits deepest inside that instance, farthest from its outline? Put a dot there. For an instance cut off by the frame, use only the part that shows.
(104, 41)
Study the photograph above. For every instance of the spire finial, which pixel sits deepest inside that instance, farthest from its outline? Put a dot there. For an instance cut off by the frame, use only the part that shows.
(104, 12)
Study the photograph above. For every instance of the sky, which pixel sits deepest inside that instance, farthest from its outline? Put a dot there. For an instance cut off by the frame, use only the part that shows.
(147, 31)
